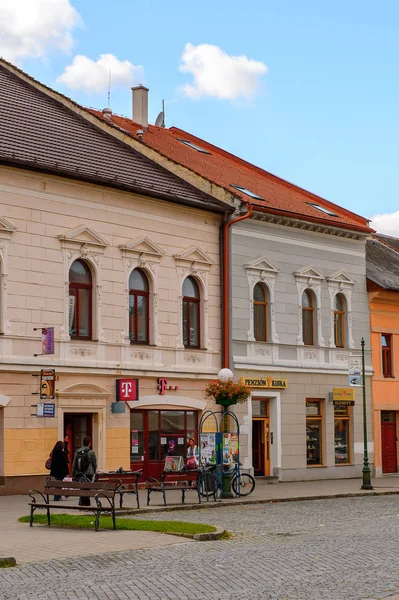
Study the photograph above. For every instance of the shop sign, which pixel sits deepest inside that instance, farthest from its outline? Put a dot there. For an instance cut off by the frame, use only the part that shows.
(163, 386)
(266, 383)
(45, 409)
(343, 394)
(343, 403)
(127, 389)
(47, 384)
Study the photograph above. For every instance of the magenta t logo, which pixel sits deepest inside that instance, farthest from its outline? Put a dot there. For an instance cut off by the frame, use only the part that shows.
(127, 388)
(162, 386)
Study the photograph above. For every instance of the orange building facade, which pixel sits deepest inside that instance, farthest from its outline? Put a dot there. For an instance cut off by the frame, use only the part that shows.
(383, 291)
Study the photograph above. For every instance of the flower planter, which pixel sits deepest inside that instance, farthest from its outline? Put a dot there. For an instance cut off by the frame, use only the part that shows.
(225, 401)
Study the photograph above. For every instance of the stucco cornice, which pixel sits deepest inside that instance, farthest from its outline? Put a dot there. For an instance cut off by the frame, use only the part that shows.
(309, 226)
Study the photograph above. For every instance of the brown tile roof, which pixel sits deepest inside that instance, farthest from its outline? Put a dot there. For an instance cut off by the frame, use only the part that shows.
(222, 168)
(41, 133)
(382, 262)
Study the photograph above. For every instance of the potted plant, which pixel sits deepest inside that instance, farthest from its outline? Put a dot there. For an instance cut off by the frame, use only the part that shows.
(227, 392)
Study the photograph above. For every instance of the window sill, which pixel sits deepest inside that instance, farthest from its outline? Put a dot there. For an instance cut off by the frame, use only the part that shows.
(316, 466)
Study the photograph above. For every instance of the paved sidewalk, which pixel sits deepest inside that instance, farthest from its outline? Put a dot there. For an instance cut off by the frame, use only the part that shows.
(276, 492)
(40, 543)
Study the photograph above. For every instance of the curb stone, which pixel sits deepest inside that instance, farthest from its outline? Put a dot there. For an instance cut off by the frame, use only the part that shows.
(221, 503)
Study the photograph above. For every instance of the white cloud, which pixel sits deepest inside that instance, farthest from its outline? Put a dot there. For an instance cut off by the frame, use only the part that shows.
(218, 74)
(33, 28)
(93, 76)
(386, 223)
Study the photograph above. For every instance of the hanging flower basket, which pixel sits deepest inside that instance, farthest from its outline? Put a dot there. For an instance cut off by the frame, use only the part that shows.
(227, 392)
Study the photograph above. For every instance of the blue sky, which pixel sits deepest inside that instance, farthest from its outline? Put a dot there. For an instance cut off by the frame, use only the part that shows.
(324, 114)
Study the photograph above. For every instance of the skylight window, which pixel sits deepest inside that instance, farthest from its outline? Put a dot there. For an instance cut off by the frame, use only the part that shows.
(322, 209)
(194, 146)
(245, 191)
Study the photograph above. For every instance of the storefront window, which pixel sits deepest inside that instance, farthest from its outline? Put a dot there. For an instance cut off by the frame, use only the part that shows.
(136, 437)
(342, 434)
(314, 432)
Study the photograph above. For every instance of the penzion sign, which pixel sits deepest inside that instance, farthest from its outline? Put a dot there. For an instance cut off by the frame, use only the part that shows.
(127, 389)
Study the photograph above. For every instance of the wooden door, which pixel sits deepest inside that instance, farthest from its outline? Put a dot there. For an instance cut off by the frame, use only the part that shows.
(260, 446)
(388, 447)
(76, 427)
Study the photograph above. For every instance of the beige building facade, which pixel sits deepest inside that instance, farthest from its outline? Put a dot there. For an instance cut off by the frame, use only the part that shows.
(50, 222)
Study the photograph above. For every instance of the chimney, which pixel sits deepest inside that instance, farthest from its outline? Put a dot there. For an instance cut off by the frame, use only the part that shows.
(107, 113)
(140, 105)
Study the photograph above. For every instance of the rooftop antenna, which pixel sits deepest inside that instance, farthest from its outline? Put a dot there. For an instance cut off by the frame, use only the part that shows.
(160, 120)
(109, 88)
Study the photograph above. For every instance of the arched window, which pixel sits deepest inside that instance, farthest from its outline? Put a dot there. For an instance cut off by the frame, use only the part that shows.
(80, 300)
(138, 308)
(260, 312)
(339, 321)
(307, 318)
(191, 313)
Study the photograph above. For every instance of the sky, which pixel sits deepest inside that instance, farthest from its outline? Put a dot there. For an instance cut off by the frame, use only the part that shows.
(307, 90)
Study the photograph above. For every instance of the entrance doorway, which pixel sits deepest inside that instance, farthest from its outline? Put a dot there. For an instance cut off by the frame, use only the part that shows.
(388, 442)
(260, 437)
(156, 434)
(76, 427)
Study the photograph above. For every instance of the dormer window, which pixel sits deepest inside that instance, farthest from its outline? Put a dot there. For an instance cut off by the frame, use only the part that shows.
(246, 191)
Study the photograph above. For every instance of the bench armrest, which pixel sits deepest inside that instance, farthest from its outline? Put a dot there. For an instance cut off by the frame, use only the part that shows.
(31, 494)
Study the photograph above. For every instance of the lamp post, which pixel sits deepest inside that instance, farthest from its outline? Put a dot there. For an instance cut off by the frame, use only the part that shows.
(366, 467)
(224, 480)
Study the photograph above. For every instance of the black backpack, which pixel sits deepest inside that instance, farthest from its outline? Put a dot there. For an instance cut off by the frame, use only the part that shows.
(83, 461)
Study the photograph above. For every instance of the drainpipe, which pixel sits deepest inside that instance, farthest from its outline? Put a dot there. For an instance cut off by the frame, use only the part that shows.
(226, 290)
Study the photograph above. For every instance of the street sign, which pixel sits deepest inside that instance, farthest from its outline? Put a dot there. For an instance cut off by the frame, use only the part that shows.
(355, 380)
(45, 409)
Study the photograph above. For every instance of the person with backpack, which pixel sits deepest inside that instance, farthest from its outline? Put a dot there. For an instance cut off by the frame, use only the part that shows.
(84, 466)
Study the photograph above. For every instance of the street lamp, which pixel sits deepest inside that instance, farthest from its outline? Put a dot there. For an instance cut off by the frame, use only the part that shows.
(225, 375)
(366, 467)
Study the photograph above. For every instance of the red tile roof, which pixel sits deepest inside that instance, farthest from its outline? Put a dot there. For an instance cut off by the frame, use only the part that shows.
(222, 168)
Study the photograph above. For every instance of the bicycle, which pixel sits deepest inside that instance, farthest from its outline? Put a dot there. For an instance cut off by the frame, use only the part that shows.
(242, 484)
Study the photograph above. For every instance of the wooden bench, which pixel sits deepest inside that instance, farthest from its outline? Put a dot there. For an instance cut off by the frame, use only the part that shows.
(184, 481)
(101, 492)
(128, 482)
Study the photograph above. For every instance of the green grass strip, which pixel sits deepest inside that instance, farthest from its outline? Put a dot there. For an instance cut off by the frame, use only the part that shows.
(87, 522)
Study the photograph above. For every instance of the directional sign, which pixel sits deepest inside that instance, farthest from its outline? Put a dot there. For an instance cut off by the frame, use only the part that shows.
(355, 380)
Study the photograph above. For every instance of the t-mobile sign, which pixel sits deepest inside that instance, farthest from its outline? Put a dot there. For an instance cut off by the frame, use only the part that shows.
(127, 389)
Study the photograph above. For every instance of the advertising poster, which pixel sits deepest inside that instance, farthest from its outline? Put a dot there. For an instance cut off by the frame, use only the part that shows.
(208, 448)
(234, 447)
(226, 448)
(47, 384)
(48, 340)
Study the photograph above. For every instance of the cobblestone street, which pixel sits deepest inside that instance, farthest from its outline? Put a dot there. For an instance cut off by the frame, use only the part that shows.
(338, 549)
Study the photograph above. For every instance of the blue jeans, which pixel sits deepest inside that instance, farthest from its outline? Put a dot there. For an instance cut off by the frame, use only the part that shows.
(58, 479)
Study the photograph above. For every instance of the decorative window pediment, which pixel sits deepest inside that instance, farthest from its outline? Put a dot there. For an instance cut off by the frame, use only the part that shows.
(310, 274)
(262, 268)
(194, 255)
(143, 247)
(341, 279)
(6, 227)
(83, 235)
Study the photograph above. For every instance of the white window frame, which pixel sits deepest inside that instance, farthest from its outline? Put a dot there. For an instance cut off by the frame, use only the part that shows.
(262, 270)
(83, 243)
(310, 278)
(6, 229)
(341, 283)
(143, 254)
(195, 263)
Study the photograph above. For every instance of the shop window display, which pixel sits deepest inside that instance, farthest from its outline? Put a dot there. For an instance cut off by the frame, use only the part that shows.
(342, 434)
(314, 432)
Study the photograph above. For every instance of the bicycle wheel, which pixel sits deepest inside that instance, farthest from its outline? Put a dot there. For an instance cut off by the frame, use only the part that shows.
(243, 484)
